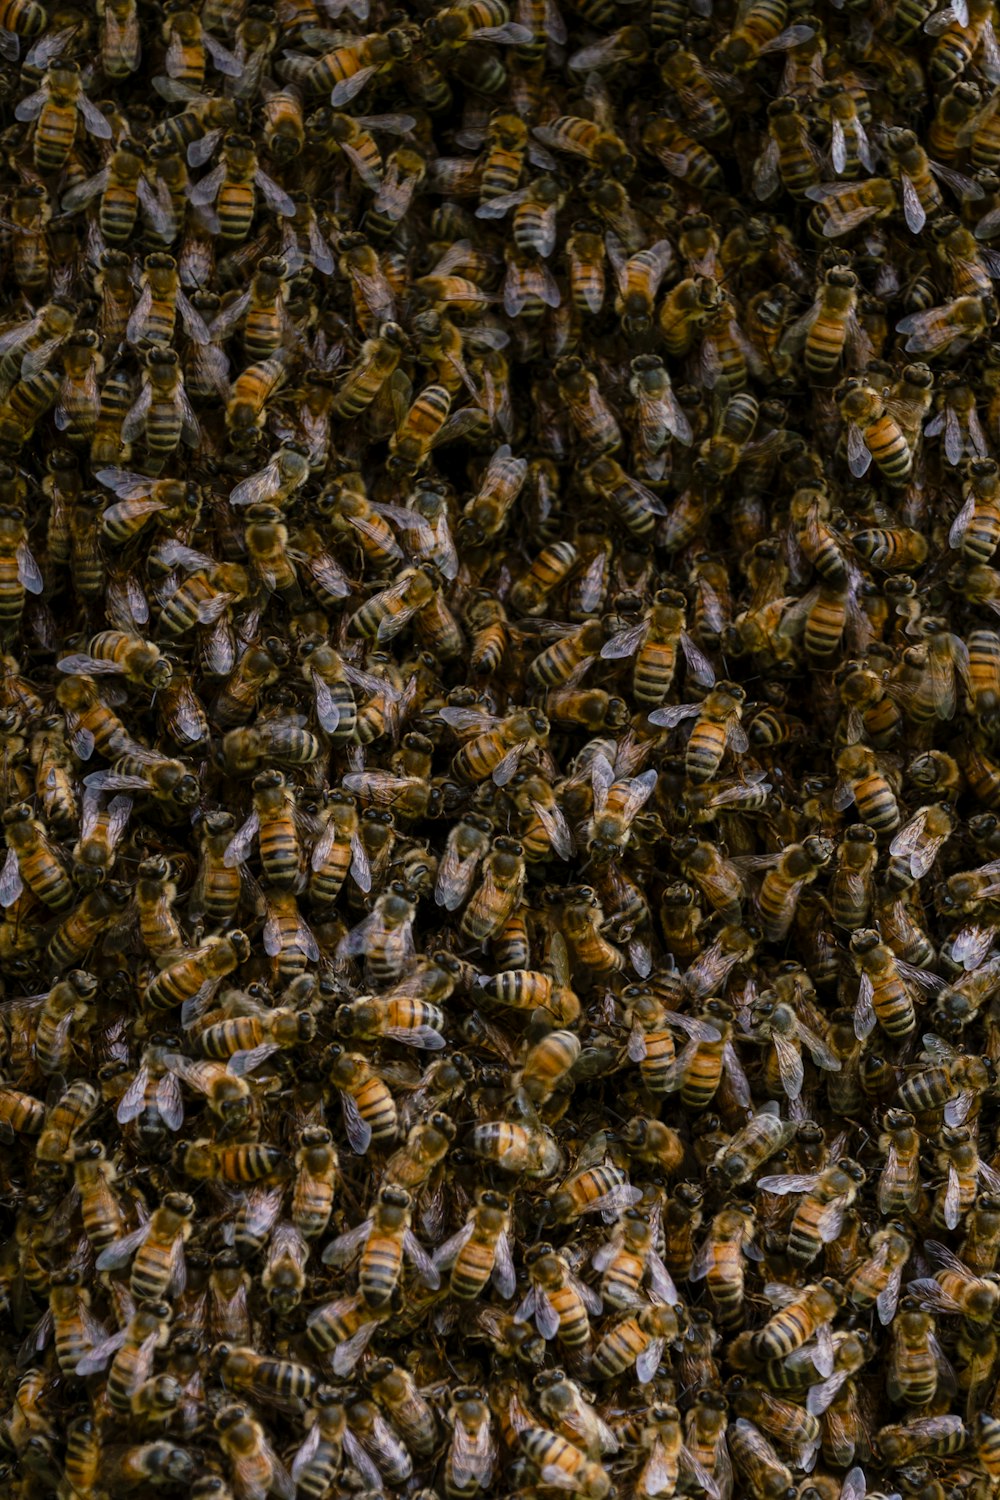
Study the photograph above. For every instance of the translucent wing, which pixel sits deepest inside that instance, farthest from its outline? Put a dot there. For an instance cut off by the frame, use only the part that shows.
(447, 1253)
(275, 196)
(790, 1182)
(342, 1250)
(790, 1065)
(11, 884)
(359, 1132)
(504, 1275)
(241, 843)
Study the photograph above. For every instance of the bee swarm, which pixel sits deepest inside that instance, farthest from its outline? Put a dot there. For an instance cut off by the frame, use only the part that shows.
(500, 729)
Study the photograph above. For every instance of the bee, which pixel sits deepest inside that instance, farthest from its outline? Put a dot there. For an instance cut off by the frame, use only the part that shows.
(579, 137)
(384, 1239)
(119, 38)
(628, 1258)
(589, 413)
(950, 1082)
(19, 572)
(385, 938)
(585, 259)
(979, 1244)
(370, 1113)
(471, 1457)
(207, 1161)
(864, 784)
(480, 1252)
(131, 1366)
(636, 506)
(232, 187)
(20, 1113)
(244, 1041)
(547, 572)
(873, 433)
(23, 407)
(155, 1250)
(30, 213)
(841, 207)
(616, 803)
(755, 1458)
(57, 109)
(198, 971)
(819, 1216)
(779, 893)
(523, 1146)
(67, 1002)
(657, 637)
(254, 1463)
(637, 1339)
(554, 1456)
(33, 861)
(344, 1328)
(124, 188)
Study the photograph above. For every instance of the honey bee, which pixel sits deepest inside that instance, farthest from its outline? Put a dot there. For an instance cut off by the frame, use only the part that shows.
(657, 638)
(155, 1249)
(639, 1339)
(819, 1216)
(369, 1108)
(480, 1252)
(383, 1239)
(57, 108)
(562, 1465)
(949, 1083)
(523, 1146)
(232, 188)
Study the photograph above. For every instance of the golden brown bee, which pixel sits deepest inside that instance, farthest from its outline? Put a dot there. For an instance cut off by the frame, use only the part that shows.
(819, 1215)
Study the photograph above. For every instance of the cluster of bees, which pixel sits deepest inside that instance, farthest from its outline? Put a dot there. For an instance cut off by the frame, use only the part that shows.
(500, 749)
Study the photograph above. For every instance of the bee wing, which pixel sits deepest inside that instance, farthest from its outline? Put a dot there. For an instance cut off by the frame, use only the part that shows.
(11, 884)
(648, 1361)
(858, 453)
(120, 1252)
(358, 1131)
(349, 88)
(928, 332)
(243, 1062)
(423, 1037)
(306, 1453)
(626, 642)
(639, 793)
(206, 191)
(699, 666)
(370, 1475)
(96, 1358)
(504, 1275)
(447, 1253)
(554, 822)
(676, 713)
(821, 1396)
(503, 772)
(454, 878)
(956, 1111)
(260, 1211)
(241, 843)
(422, 1262)
(637, 1044)
(790, 1065)
(888, 1298)
(342, 1250)
(661, 1282)
(274, 196)
(819, 1051)
(765, 171)
(354, 943)
(80, 195)
(831, 1221)
(789, 1182)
